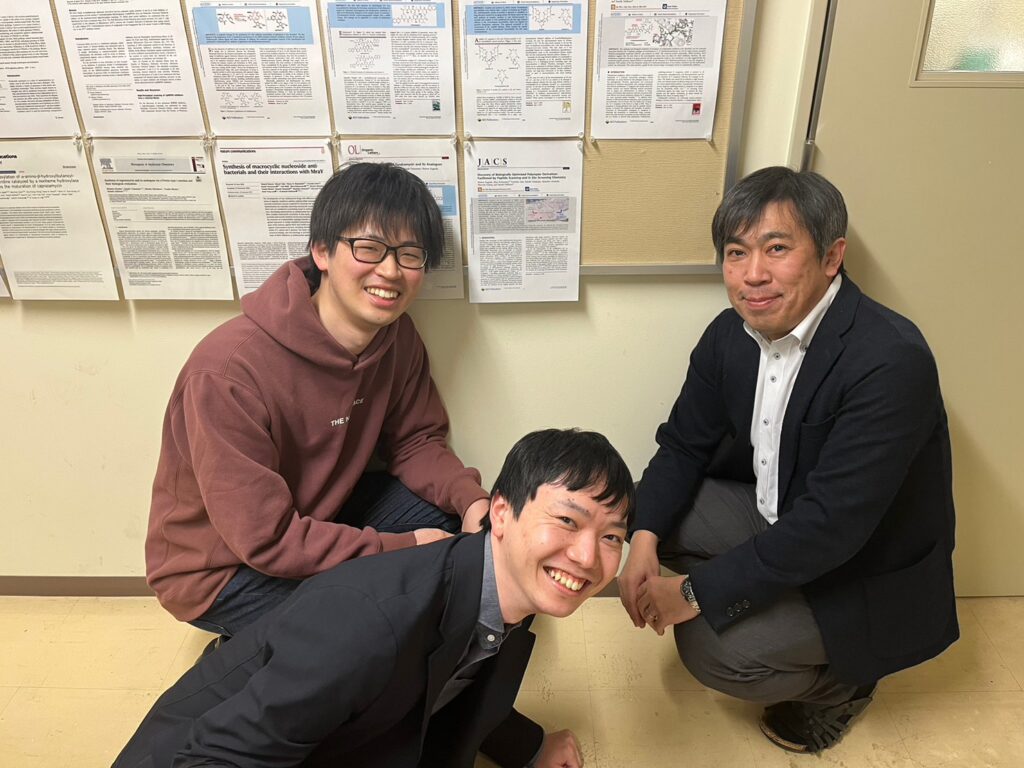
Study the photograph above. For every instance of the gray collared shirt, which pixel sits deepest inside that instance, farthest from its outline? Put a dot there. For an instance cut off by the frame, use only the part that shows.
(490, 632)
(486, 639)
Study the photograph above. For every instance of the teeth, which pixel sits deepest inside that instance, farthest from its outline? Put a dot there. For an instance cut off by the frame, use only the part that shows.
(565, 579)
(384, 293)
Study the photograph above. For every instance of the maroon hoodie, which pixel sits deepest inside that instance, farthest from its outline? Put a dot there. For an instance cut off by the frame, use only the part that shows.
(270, 425)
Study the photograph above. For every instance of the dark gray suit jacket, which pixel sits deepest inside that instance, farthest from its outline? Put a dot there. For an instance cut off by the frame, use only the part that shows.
(865, 507)
(346, 672)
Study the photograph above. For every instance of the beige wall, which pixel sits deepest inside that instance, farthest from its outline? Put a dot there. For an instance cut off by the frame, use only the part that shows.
(931, 242)
(83, 386)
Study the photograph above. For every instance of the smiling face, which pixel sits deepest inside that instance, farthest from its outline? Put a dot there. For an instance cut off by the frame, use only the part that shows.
(563, 548)
(355, 300)
(773, 274)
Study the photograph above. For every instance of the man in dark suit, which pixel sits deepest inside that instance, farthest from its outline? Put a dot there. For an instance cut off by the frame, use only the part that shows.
(412, 657)
(802, 483)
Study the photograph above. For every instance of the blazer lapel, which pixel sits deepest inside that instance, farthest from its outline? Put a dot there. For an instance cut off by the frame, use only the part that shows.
(461, 610)
(740, 381)
(825, 348)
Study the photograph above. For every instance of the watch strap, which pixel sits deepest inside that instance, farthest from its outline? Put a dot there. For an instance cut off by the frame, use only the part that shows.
(686, 590)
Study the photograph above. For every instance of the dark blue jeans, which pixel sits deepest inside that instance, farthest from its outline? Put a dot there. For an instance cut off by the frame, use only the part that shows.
(378, 501)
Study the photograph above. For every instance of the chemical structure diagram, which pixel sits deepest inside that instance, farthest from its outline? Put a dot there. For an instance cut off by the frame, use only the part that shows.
(364, 53)
(547, 209)
(550, 17)
(253, 20)
(665, 33)
(498, 59)
(411, 15)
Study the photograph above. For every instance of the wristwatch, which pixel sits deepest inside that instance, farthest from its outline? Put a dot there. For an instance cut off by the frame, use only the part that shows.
(686, 590)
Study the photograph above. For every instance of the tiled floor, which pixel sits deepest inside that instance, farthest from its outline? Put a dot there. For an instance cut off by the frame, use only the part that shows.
(77, 675)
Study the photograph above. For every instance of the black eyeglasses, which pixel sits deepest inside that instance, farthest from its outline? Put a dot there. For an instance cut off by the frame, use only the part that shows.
(370, 251)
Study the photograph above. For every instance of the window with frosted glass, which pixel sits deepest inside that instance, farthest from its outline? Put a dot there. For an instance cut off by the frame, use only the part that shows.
(975, 36)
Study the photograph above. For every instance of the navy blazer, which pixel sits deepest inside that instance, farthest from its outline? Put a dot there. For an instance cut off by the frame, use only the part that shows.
(346, 672)
(865, 507)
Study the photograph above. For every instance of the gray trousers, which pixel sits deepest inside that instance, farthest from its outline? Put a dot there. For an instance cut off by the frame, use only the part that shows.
(771, 656)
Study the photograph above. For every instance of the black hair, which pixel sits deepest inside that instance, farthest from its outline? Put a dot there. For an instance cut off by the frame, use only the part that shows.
(379, 195)
(817, 205)
(569, 458)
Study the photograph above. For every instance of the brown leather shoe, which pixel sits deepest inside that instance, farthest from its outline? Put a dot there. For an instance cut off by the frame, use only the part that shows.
(811, 728)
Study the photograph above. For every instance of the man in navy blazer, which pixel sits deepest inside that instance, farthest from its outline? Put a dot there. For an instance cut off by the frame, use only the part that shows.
(802, 483)
(412, 657)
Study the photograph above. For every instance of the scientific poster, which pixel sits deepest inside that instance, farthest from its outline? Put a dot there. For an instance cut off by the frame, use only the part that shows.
(161, 211)
(260, 66)
(267, 188)
(524, 68)
(51, 237)
(656, 69)
(131, 67)
(35, 100)
(524, 220)
(391, 66)
(434, 161)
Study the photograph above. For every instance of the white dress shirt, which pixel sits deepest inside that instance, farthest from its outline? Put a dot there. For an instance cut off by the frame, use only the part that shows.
(776, 374)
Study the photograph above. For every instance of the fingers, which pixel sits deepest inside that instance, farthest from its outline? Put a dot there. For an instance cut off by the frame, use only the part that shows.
(658, 625)
(641, 565)
(570, 754)
(648, 608)
(561, 749)
(655, 621)
(630, 583)
(429, 535)
(473, 518)
(573, 755)
(629, 602)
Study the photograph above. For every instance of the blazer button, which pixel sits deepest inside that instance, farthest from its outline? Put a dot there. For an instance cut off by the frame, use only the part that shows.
(730, 612)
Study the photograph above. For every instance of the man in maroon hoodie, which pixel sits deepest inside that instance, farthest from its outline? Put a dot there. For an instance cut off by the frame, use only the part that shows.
(276, 416)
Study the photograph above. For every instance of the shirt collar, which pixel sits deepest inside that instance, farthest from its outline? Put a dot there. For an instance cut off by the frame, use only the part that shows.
(805, 330)
(490, 622)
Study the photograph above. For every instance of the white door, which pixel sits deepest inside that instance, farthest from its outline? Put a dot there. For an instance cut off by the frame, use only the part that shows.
(932, 177)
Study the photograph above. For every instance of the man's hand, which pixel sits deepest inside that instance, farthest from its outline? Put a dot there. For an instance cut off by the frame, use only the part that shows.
(661, 603)
(641, 565)
(560, 750)
(474, 515)
(429, 535)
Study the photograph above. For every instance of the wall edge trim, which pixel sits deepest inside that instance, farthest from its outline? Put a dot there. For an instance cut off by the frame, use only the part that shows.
(74, 586)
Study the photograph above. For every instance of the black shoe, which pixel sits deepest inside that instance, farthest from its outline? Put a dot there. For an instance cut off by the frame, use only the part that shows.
(811, 728)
